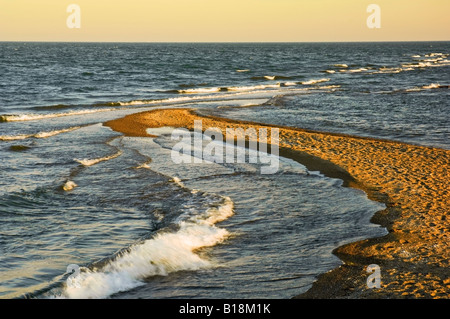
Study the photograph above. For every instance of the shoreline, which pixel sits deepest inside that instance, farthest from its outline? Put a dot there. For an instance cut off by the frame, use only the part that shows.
(413, 182)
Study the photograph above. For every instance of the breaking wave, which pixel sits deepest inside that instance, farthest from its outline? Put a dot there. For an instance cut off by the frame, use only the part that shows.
(90, 162)
(311, 82)
(37, 135)
(33, 117)
(165, 253)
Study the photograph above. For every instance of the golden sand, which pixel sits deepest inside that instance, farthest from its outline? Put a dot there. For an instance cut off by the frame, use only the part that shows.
(412, 180)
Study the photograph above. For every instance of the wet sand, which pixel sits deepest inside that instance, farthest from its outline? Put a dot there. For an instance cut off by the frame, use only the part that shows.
(413, 182)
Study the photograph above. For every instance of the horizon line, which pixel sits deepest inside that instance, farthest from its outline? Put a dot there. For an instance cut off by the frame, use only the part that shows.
(224, 42)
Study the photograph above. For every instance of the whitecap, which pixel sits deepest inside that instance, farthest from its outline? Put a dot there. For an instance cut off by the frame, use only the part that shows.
(90, 162)
(254, 87)
(69, 185)
(310, 82)
(37, 135)
(341, 65)
(165, 253)
(200, 90)
(33, 117)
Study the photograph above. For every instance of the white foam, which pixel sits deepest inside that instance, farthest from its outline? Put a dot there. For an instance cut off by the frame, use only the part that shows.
(200, 90)
(290, 83)
(162, 101)
(177, 181)
(69, 185)
(37, 135)
(140, 102)
(165, 253)
(14, 137)
(90, 162)
(329, 87)
(240, 71)
(57, 132)
(385, 70)
(358, 70)
(435, 54)
(425, 87)
(424, 65)
(145, 165)
(254, 87)
(34, 117)
(431, 86)
(433, 60)
(315, 81)
(195, 98)
(410, 90)
(269, 77)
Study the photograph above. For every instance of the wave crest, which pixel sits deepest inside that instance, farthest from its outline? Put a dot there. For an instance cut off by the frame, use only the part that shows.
(165, 253)
(310, 82)
(90, 162)
(37, 135)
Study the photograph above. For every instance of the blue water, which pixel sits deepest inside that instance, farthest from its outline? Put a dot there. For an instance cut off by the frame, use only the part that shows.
(74, 192)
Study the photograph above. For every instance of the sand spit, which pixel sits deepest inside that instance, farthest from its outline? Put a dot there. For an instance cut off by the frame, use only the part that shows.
(413, 181)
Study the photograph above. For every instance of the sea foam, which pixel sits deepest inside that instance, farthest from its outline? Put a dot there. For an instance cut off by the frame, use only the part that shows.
(165, 253)
(90, 162)
(69, 185)
(310, 82)
(200, 90)
(37, 135)
(34, 117)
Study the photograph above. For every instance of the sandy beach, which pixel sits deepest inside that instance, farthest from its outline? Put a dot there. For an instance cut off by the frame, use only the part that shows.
(413, 182)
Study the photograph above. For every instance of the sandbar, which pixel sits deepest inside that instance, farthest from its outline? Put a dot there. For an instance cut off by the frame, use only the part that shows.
(413, 181)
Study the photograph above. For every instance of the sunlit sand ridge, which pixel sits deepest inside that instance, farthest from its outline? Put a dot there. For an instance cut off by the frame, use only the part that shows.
(412, 180)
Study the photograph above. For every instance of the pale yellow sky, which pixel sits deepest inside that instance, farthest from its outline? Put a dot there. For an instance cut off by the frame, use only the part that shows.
(224, 21)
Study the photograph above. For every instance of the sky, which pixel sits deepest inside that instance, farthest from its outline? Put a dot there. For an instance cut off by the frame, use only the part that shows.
(223, 21)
